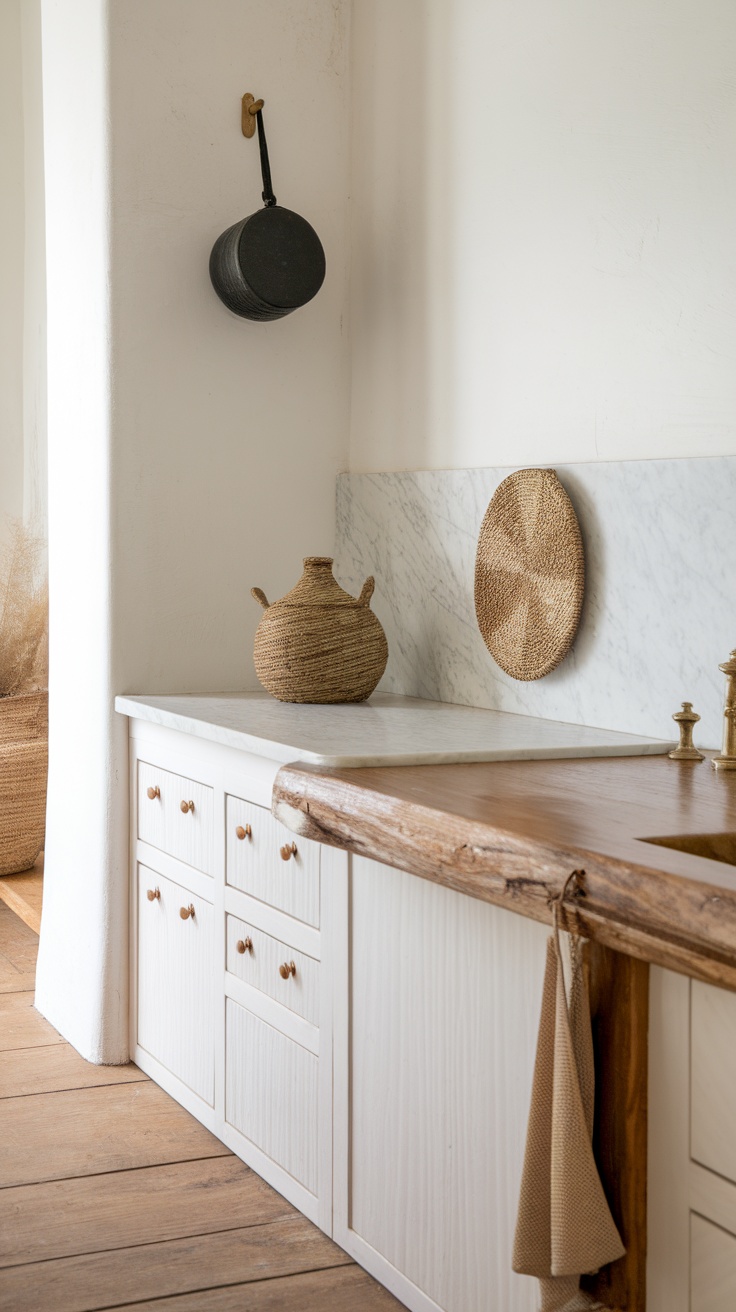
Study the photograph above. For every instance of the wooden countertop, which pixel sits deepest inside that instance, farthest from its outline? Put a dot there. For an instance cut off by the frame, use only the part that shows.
(511, 832)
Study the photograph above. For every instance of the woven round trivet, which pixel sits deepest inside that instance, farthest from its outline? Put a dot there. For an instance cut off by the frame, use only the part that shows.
(529, 574)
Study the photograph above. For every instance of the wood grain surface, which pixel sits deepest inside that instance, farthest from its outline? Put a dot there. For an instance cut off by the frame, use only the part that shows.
(345, 1289)
(146, 1203)
(85, 1131)
(511, 832)
(92, 1213)
(23, 894)
(18, 943)
(229, 1257)
(56, 1067)
(619, 1000)
(21, 1026)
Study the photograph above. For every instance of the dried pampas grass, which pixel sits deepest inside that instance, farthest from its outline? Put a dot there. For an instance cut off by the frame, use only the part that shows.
(24, 614)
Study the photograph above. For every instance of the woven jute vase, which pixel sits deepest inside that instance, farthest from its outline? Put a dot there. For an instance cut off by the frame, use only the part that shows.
(319, 644)
(24, 755)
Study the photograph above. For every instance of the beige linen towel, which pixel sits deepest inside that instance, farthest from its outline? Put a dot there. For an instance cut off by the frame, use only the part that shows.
(564, 1226)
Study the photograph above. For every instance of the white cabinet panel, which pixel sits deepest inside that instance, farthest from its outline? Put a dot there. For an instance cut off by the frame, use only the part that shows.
(175, 981)
(255, 864)
(271, 1093)
(713, 1269)
(445, 996)
(262, 965)
(713, 1079)
(186, 834)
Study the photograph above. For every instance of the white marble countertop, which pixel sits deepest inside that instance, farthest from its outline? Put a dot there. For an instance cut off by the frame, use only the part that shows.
(385, 730)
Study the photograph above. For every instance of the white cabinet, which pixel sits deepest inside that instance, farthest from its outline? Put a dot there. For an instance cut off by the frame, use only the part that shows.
(713, 1258)
(175, 815)
(691, 1263)
(433, 1066)
(176, 980)
(272, 1093)
(277, 969)
(713, 1081)
(266, 861)
(240, 1035)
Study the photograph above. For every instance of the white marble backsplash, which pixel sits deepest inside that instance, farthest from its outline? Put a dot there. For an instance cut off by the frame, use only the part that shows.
(660, 596)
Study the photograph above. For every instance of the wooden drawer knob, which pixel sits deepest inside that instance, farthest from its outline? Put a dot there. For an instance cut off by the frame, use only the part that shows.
(244, 945)
(243, 831)
(186, 912)
(287, 851)
(153, 894)
(154, 791)
(286, 969)
(187, 806)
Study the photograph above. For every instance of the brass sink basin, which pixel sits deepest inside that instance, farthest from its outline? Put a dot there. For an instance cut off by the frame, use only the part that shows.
(717, 847)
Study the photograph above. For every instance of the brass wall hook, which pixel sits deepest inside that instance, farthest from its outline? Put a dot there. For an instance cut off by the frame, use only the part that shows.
(249, 108)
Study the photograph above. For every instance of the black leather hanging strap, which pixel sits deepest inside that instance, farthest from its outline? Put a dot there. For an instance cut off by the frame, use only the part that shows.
(268, 197)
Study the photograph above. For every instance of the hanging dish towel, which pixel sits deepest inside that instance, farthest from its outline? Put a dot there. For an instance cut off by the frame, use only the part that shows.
(564, 1228)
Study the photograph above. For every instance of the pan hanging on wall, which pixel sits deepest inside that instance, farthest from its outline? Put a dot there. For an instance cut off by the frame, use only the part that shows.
(272, 262)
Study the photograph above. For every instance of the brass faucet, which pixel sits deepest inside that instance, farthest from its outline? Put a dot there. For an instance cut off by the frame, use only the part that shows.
(727, 758)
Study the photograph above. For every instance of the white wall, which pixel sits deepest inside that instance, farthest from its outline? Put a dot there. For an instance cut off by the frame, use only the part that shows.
(191, 454)
(12, 220)
(35, 472)
(544, 204)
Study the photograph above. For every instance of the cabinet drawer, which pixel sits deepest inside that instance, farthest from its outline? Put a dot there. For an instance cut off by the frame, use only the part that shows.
(271, 1093)
(183, 833)
(175, 980)
(713, 1270)
(256, 866)
(266, 964)
(713, 1078)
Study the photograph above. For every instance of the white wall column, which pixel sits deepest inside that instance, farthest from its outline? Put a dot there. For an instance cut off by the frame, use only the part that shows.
(191, 453)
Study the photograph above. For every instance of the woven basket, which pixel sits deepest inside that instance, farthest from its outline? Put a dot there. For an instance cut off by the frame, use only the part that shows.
(23, 770)
(529, 574)
(319, 644)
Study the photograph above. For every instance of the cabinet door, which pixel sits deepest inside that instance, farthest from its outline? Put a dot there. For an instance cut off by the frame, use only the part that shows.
(432, 1089)
(272, 1093)
(175, 981)
(713, 1078)
(713, 1277)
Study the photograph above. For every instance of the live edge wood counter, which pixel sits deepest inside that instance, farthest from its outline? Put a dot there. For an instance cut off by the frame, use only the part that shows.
(511, 832)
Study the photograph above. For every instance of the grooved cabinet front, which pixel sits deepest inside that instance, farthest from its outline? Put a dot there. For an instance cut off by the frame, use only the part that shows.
(261, 966)
(255, 864)
(185, 834)
(271, 1093)
(176, 981)
(713, 1271)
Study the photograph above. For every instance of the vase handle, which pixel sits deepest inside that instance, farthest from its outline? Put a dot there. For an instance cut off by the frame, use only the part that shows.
(367, 593)
(260, 596)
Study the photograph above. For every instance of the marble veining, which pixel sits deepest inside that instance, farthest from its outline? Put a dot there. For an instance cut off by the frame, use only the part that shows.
(386, 730)
(660, 604)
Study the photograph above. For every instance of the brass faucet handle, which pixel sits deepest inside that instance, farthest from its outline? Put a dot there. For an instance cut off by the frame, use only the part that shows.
(686, 719)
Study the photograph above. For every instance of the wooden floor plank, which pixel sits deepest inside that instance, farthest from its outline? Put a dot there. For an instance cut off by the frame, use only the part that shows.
(21, 1026)
(57, 1067)
(64, 1218)
(13, 980)
(23, 894)
(344, 1289)
(54, 1136)
(17, 942)
(158, 1270)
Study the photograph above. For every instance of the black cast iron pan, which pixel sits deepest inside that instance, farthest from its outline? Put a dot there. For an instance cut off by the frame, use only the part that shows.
(270, 263)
